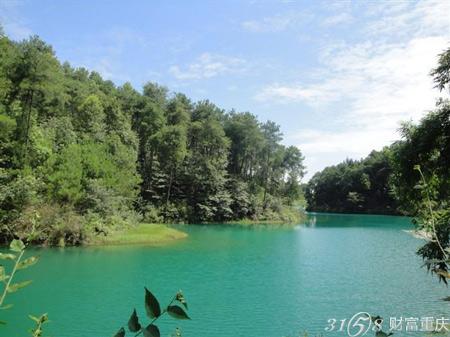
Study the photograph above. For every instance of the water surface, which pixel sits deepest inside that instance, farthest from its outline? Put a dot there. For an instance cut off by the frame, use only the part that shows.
(238, 281)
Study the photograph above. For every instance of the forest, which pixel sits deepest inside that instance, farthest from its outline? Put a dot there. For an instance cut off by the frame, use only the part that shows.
(80, 156)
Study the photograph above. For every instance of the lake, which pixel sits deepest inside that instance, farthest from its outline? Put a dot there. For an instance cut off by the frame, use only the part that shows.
(265, 282)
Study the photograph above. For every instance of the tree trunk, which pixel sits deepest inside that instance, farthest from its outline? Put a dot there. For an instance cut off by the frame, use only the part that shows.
(27, 124)
(170, 185)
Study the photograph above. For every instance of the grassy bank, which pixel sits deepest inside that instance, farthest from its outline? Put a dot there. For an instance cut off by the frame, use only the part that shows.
(149, 234)
(159, 234)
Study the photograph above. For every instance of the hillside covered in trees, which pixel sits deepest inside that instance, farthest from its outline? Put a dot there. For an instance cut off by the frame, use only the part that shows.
(80, 155)
(388, 182)
(354, 186)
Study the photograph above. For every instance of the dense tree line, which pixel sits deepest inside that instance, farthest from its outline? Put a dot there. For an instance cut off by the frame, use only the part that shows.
(354, 186)
(79, 155)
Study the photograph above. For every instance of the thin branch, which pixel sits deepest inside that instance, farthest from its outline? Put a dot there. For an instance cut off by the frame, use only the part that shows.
(5, 291)
(432, 220)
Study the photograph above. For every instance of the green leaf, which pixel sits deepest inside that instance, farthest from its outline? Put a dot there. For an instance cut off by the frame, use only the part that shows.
(2, 322)
(3, 275)
(16, 286)
(34, 318)
(151, 305)
(443, 273)
(133, 322)
(434, 261)
(177, 312)
(151, 331)
(4, 256)
(180, 298)
(17, 246)
(6, 306)
(44, 318)
(27, 262)
(120, 333)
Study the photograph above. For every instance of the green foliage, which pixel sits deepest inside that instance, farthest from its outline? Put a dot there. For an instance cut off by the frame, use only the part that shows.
(80, 157)
(428, 145)
(154, 312)
(17, 247)
(133, 322)
(18, 189)
(352, 186)
(39, 322)
(433, 220)
(152, 307)
(90, 116)
(441, 73)
(65, 175)
(177, 312)
(422, 176)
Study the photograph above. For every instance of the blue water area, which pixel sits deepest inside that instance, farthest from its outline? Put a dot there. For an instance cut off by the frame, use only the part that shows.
(264, 281)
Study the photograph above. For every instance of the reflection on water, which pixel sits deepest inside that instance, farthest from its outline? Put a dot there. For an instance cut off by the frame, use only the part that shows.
(351, 220)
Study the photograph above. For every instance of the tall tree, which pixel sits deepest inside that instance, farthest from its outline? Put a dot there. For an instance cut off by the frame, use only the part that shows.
(271, 155)
(205, 175)
(36, 85)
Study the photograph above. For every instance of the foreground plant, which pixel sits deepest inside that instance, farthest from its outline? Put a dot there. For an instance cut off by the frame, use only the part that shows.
(434, 223)
(154, 312)
(17, 248)
(39, 322)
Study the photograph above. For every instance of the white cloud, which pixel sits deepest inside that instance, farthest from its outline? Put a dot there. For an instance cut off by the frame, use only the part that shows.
(381, 89)
(372, 86)
(284, 93)
(208, 66)
(339, 19)
(271, 24)
(325, 148)
(405, 19)
(11, 20)
(315, 94)
(277, 23)
(322, 142)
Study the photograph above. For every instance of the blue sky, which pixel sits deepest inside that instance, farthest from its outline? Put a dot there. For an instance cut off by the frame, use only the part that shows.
(337, 76)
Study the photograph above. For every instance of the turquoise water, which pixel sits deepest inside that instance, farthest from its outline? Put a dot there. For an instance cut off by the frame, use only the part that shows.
(237, 281)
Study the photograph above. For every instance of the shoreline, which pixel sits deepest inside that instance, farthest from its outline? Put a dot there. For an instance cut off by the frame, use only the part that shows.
(357, 213)
(256, 223)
